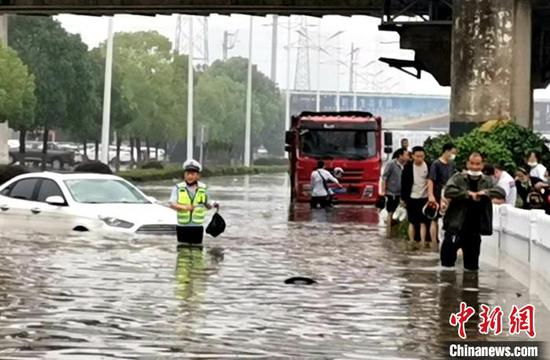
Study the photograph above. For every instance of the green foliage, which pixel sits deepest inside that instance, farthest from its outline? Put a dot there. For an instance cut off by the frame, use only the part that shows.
(507, 144)
(175, 172)
(520, 142)
(267, 104)
(17, 98)
(271, 161)
(149, 86)
(65, 92)
(434, 146)
(148, 95)
(153, 165)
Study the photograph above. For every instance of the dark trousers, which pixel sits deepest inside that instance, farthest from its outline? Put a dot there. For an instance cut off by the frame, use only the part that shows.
(469, 242)
(190, 235)
(323, 201)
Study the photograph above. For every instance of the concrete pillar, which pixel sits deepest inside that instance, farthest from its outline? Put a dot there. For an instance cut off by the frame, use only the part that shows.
(4, 130)
(491, 63)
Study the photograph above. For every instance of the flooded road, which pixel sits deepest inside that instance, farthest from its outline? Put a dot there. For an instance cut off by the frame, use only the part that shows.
(83, 297)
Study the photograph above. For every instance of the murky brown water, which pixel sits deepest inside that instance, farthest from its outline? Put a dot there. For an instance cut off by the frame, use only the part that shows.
(78, 297)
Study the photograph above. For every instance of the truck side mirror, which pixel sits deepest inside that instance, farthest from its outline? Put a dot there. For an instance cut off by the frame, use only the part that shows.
(388, 142)
(289, 138)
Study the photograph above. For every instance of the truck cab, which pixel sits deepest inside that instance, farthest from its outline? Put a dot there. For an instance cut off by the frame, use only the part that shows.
(351, 141)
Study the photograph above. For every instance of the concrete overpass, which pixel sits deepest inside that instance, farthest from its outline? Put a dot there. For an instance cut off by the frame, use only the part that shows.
(491, 52)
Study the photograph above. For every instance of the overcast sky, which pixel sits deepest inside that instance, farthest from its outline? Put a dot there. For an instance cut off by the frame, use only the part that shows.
(362, 31)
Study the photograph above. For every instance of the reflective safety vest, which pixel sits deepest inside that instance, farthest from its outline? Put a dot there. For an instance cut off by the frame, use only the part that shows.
(199, 205)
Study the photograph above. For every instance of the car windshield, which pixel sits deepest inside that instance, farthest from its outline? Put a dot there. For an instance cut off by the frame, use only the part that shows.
(349, 144)
(104, 191)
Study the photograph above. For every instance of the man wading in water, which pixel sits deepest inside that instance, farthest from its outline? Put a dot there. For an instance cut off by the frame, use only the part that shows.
(190, 200)
(470, 214)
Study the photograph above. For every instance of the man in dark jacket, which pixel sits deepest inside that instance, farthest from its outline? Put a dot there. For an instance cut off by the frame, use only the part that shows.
(469, 215)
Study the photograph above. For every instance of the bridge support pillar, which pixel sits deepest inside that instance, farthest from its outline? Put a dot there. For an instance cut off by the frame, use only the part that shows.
(4, 130)
(491, 63)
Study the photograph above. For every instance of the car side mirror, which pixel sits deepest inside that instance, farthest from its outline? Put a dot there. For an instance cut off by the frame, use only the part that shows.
(289, 138)
(55, 200)
(388, 142)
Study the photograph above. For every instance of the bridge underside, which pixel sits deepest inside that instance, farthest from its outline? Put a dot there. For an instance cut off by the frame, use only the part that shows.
(198, 7)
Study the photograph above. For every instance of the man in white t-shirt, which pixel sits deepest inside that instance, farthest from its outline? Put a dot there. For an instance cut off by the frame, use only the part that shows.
(503, 180)
(414, 193)
(320, 191)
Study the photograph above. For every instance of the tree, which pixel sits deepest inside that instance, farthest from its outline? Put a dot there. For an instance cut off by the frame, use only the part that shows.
(267, 108)
(121, 111)
(17, 98)
(220, 107)
(154, 92)
(65, 93)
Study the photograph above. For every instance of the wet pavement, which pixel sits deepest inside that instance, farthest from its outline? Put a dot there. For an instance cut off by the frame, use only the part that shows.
(83, 297)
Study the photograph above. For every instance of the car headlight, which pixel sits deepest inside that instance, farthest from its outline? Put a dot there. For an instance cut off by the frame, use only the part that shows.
(111, 221)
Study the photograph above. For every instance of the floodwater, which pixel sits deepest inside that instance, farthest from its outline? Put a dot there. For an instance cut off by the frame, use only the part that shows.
(84, 297)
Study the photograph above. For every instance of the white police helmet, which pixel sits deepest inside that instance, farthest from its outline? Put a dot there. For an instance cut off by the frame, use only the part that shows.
(192, 165)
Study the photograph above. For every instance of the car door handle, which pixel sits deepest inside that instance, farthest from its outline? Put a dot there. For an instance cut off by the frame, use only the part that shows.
(4, 207)
(36, 210)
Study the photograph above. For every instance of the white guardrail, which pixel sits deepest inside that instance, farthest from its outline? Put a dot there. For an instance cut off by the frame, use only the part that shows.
(520, 245)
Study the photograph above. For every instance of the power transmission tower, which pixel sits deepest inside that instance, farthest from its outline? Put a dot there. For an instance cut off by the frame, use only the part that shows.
(200, 41)
(354, 50)
(229, 40)
(302, 76)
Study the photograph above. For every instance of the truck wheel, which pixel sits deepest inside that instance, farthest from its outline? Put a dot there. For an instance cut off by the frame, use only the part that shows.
(57, 164)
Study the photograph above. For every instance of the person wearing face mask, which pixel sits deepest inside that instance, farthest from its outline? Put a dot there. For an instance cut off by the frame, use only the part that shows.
(505, 181)
(469, 215)
(537, 170)
(441, 171)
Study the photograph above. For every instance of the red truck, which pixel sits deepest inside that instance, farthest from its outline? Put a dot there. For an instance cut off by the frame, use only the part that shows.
(349, 140)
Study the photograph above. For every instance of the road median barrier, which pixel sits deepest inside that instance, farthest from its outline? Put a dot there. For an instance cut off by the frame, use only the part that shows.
(175, 172)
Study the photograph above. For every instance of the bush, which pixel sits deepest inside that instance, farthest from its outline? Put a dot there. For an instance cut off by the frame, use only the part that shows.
(507, 144)
(93, 167)
(271, 161)
(176, 172)
(8, 172)
(153, 165)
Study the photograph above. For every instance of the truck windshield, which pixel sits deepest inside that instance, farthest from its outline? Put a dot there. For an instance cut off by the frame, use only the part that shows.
(350, 144)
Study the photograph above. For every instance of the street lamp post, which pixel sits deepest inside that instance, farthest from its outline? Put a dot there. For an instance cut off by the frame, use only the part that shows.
(338, 76)
(190, 92)
(105, 126)
(248, 98)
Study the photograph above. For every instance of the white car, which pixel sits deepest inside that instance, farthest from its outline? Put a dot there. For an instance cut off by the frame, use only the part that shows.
(52, 202)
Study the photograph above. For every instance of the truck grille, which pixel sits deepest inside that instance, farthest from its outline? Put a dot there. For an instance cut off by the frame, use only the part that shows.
(351, 176)
(157, 229)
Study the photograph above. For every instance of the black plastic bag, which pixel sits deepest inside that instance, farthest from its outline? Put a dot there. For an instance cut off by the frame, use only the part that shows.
(381, 202)
(216, 226)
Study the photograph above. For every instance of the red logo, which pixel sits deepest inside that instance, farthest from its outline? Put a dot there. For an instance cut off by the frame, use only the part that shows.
(523, 320)
(459, 319)
(491, 320)
(520, 320)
